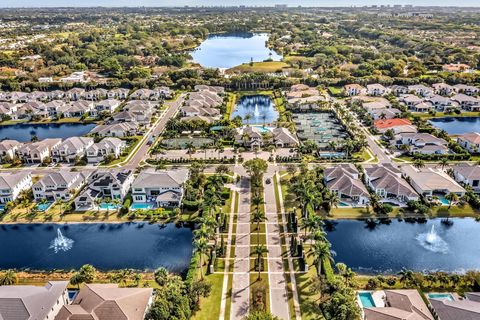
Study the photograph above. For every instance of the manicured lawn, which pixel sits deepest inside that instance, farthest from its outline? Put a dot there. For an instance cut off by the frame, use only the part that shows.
(232, 99)
(336, 91)
(267, 67)
(210, 306)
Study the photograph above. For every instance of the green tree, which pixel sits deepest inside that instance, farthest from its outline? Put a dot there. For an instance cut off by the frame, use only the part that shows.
(8, 278)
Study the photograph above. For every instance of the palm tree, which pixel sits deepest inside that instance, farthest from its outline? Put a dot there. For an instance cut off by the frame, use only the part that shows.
(8, 278)
(247, 117)
(137, 277)
(259, 251)
(98, 202)
(219, 147)
(190, 148)
(201, 246)
(117, 203)
(321, 252)
(444, 163)
(107, 201)
(310, 223)
(205, 147)
(419, 163)
(161, 276)
(406, 276)
(451, 197)
(332, 145)
(333, 200)
(122, 276)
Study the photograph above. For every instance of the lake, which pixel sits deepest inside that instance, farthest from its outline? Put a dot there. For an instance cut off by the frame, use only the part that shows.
(140, 246)
(23, 131)
(387, 248)
(457, 125)
(260, 108)
(233, 49)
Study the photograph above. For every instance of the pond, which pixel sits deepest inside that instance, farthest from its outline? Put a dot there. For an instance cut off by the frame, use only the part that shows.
(140, 246)
(233, 49)
(256, 109)
(373, 248)
(23, 131)
(457, 125)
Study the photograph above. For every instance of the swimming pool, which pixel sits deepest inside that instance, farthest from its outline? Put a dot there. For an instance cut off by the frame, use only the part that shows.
(108, 206)
(343, 204)
(441, 296)
(141, 206)
(443, 201)
(44, 206)
(366, 300)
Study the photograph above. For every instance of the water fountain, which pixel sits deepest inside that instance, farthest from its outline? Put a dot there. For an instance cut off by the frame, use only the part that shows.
(256, 113)
(432, 241)
(61, 243)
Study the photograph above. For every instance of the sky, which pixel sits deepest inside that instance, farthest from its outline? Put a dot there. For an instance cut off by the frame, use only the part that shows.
(160, 3)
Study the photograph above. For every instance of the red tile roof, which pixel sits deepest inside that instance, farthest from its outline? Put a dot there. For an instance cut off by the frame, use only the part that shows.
(390, 123)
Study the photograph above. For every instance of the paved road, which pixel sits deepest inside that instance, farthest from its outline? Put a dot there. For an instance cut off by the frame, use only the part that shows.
(158, 128)
(276, 272)
(241, 265)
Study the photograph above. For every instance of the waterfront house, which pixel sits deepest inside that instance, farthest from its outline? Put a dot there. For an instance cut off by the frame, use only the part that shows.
(112, 183)
(397, 305)
(343, 180)
(26, 302)
(422, 143)
(440, 102)
(59, 185)
(107, 302)
(37, 152)
(98, 152)
(8, 148)
(376, 89)
(466, 102)
(431, 182)
(164, 188)
(54, 107)
(422, 107)
(76, 109)
(354, 89)
(121, 130)
(456, 309)
(468, 175)
(71, 149)
(12, 184)
(470, 141)
(387, 182)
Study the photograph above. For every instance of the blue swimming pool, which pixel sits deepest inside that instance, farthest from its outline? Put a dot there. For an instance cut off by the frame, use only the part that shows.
(343, 204)
(441, 296)
(366, 300)
(44, 206)
(444, 201)
(108, 206)
(141, 206)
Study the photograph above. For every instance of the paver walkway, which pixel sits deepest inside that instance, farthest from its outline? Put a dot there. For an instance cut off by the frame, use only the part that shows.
(276, 275)
(241, 266)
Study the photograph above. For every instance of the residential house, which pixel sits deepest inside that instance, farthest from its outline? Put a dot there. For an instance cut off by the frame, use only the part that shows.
(75, 94)
(119, 93)
(343, 180)
(389, 113)
(25, 302)
(248, 136)
(12, 184)
(420, 90)
(354, 89)
(422, 107)
(76, 109)
(8, 148)
(387, 182)
(376, 89)
(456, 67)
(76, 77)
(120, 130)
(108, 105)
(456, 309)
(283, 138)
(383, 125)
(468, 103)
(71, 149)
(397, 305)
(398, 90)
(141, 110)
(214, 89)
(59, 185)
(98, 152)
(142, 94)
(468, 175)
(190, 111)
(54, 108)
(410, 100)
(422, 143)
(37, 152)
(112, 183)
(107, 302)
(443, 89)
(164, 188)
(95, 95)
(470, 141)
(440, 102)
(431, 182)
(466, 89)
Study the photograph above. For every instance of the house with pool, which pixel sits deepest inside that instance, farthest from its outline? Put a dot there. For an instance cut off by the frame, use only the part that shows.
(448, 306)
(12, 184)
(387, 182)
(162, 188)
(343, 180)
(59, 185)
(432, 183)
(393, 305)
(468, 175)
(102, 185)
